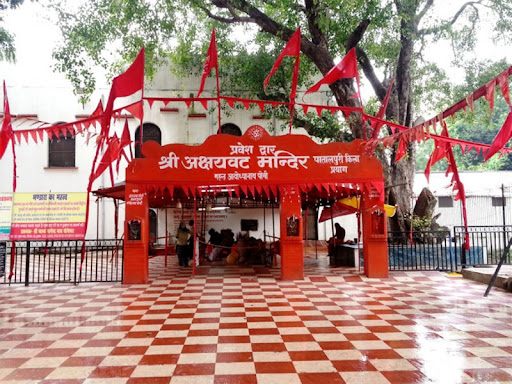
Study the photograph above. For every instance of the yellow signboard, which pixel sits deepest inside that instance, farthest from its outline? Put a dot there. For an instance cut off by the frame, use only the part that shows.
(50, 216)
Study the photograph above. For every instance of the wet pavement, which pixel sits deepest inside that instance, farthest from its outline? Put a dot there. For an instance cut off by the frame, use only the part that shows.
(244, 325)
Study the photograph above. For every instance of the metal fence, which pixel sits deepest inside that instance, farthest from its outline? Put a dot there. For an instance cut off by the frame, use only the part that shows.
(420, 251)
(486, 244)
(439, 250)
(28, 262)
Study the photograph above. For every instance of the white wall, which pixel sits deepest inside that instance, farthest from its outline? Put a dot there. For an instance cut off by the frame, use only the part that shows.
(480, 187)
(218, 220)
(59, 104)
(348, 222)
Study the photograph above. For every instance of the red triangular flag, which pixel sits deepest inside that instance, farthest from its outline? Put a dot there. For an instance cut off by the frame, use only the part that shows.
(469, 100)
(347, 67)
(210, 62)
(132, 80)
(25, 135)
(401, 150)
(33, 134)
(382, 112)
(99, 110)
(292, 48)
(126, 138)
(124, 85)
(489, 93)
(504, 86)
(124, 141)
(111, 154)
(502, 138)
(231, 102)
(440, 151)
(136, 110)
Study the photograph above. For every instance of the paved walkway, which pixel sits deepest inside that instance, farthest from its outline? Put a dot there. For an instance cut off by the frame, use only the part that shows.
(237, 325)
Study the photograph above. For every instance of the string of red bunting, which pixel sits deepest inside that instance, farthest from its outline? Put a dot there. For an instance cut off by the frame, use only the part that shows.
(132, 81)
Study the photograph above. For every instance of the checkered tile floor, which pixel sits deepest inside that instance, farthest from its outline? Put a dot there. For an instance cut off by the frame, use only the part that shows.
(238, 325)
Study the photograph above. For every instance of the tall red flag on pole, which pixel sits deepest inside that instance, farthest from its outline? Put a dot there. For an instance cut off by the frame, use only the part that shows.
(125, 84)
(6, 131)
(292, 48)
(382, 112)
(347, 67)
(126, 140)
(210, 63)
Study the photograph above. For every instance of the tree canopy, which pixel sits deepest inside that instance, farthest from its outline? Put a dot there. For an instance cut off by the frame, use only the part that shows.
(480, 126)
(391, 38)
(7, 48)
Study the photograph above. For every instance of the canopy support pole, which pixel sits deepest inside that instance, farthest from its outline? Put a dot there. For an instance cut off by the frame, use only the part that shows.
(194, 234)
(335, 248)
(264, 224)
(166, 237)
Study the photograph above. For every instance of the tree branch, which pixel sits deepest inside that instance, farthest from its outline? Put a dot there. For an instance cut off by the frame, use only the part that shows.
(423, 12)
(461, 10)
(454, 19)
(369, 72)
(235, 19)
(311, 11)
(270, 26)
(357, 34)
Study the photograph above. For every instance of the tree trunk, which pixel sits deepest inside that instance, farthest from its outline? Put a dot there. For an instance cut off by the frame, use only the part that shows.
(400, 175)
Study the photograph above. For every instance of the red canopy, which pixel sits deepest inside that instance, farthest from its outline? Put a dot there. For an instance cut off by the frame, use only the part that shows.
(336, 210)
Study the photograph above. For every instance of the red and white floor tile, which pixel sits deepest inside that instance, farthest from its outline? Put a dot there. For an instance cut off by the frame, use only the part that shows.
(237, 325)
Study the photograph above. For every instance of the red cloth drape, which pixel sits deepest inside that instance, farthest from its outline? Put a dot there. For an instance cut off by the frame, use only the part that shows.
(502, 138)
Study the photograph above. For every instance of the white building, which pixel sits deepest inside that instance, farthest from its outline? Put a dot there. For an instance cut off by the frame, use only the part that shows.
(484, 197)
(42, 167)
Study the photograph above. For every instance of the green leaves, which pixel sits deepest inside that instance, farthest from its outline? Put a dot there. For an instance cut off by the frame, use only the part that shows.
(110, 33)
(7, 50)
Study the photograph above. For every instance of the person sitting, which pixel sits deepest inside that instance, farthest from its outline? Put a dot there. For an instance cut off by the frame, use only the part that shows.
(215, 241)
(339, 238)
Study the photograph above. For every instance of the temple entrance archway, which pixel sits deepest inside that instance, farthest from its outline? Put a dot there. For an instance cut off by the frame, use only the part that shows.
(288, 169)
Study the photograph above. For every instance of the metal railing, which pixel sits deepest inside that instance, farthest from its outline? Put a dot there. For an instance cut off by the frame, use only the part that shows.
(36, 262)
(420, 251)
(486, 244)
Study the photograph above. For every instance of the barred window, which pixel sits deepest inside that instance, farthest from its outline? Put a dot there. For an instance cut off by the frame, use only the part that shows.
(445, 202)
(499, 202)
(231, 129)
(61, 150)
(150, 132)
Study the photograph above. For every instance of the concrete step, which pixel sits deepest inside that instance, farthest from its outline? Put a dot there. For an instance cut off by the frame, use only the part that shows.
(484, 274)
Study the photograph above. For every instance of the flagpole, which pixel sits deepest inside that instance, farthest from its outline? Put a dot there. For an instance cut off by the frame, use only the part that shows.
(13, 164)
(142, 101)
(295, 79)
(218, 96)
